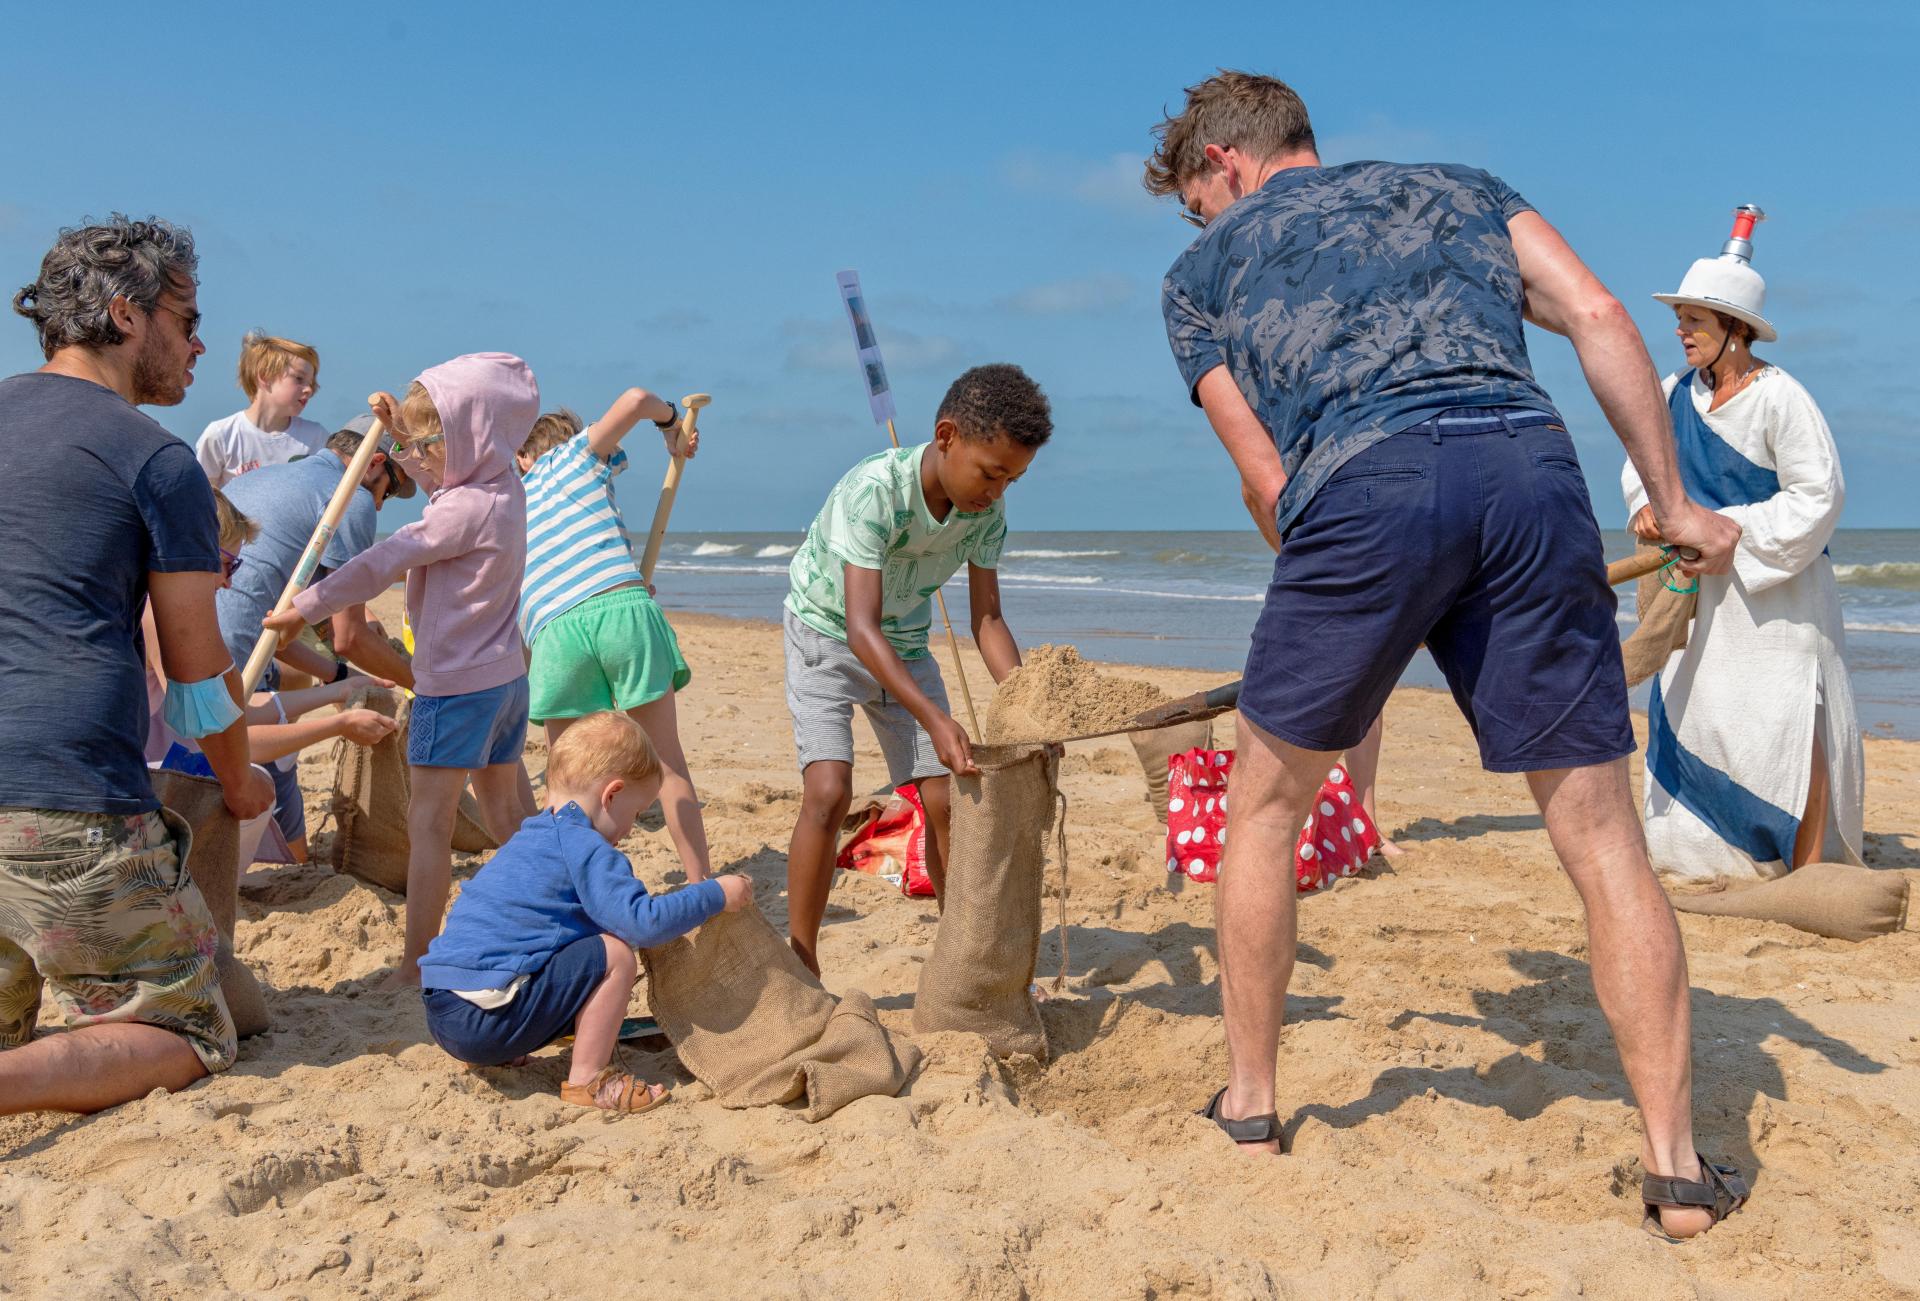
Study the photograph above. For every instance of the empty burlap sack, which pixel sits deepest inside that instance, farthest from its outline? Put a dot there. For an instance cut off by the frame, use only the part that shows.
(213, 861)
(979, 976)
(756, 1027)
(369, 803)
(1666, 616)
(1161, 744)
(1832, 899)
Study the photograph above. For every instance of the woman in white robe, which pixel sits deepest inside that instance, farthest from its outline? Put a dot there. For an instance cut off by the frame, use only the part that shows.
(1754, 763)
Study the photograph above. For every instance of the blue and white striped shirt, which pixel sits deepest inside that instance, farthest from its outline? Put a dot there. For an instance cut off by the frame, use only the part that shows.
(576, 541)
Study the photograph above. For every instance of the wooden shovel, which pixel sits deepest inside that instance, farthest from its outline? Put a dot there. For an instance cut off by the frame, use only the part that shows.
(310, 558)
(1202, 705)
(689, 411)
(1641, 563)
(1196, 708)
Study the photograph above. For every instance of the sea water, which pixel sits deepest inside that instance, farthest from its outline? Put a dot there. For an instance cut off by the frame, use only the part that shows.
(1189, 599)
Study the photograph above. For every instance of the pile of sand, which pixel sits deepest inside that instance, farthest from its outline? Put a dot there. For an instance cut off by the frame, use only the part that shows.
(1455, 1104)
(1056, 694)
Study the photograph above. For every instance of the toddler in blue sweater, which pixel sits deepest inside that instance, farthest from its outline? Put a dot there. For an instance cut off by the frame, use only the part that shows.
(543, 936)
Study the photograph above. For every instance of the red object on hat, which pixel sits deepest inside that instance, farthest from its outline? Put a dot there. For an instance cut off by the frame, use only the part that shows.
(1336, 841)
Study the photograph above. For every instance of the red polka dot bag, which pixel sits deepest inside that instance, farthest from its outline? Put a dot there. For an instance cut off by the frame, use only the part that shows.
(1337, 840)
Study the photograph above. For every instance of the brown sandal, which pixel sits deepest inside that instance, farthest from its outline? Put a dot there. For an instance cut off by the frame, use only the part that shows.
(614, 1090)
(1720, 1191)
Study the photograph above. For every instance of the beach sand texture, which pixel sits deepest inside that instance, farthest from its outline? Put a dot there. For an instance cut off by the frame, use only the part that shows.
(1455, 1105)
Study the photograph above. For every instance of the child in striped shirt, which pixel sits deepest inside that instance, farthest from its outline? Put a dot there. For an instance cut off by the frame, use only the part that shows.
(599, 641)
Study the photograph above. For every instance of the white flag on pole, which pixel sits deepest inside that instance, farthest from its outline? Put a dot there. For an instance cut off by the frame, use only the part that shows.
(873, 371)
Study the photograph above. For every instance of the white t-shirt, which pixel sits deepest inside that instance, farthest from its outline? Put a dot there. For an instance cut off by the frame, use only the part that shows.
(229, 447)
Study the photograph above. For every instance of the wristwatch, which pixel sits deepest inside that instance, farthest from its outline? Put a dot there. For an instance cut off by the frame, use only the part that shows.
(340, 671)
(673, 417)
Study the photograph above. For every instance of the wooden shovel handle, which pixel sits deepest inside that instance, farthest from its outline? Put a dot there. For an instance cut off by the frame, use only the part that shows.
(689, 412)
(269, 642)
(1640, 564)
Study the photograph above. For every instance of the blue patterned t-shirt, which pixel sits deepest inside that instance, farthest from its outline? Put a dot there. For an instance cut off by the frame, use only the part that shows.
(1350, 302)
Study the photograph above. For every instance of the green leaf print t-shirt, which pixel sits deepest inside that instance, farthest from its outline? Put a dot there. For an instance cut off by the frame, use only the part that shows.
(876, 517)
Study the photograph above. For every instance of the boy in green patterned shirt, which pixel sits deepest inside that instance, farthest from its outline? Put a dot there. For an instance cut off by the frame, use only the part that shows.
(894, 529)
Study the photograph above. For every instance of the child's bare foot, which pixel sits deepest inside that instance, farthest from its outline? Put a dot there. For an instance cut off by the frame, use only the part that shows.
(615, 1090)
(403, 977)
(521, 1060)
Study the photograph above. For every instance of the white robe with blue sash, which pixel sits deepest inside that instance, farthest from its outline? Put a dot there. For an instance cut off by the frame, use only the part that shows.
(1731, 723)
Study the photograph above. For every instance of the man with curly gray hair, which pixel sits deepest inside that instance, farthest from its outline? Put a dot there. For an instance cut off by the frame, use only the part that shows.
(104, 512)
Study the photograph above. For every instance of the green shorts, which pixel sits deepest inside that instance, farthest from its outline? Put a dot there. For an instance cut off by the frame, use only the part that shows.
(612, 651)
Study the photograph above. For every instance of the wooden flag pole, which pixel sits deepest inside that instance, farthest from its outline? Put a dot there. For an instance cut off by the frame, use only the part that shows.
(953, 642)
(269, 642)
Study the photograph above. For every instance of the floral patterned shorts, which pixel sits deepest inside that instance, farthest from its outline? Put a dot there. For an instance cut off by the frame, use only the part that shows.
(100, 907)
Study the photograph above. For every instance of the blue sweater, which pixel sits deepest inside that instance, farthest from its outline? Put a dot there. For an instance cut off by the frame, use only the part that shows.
(556, 881)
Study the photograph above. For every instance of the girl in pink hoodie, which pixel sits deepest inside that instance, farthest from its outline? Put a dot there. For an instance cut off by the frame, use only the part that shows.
(458, 428)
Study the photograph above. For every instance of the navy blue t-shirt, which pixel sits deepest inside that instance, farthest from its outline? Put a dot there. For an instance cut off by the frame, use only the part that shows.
(94, 496)
(1351, 302)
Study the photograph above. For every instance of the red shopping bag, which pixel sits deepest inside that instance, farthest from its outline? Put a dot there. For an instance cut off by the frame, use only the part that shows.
(889, 840)
(1336, 841)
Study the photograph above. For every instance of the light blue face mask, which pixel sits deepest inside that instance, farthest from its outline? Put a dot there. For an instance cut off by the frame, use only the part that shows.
(197, 709)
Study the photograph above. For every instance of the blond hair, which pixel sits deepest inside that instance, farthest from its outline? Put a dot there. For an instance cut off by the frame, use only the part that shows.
(265, 357)
(599, 748)
(236, 530)
(418, 415)
(1262, 117)
(549, 431)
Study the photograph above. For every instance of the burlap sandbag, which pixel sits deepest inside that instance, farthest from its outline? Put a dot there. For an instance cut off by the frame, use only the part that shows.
(369, 804)
(1161, 744)
(756, 1027)
(1666, 617)
(1832, 899)
(213, 861)
(979, 976)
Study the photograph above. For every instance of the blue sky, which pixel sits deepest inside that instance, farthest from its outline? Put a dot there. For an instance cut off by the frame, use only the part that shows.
(662, 194)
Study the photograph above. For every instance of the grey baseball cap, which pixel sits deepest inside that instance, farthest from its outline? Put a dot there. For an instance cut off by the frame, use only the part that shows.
(398, 483)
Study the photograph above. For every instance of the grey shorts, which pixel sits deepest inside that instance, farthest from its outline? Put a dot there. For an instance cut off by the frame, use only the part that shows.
(825, 680)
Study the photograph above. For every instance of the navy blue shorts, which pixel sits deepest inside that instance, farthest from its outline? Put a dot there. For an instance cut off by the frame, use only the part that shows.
(289, 812)
(476, 729)
(1474, 534)
(541, 1012)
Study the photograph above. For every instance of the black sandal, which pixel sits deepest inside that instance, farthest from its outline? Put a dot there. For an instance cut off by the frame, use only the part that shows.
(1720, 1192)
(1250, 1129)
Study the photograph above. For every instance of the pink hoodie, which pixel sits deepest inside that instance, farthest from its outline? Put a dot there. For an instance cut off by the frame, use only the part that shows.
(465, 557)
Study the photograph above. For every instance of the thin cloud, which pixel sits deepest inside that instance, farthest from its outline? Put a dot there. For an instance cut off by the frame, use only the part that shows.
(1084, 294)
(1111, 182)
(827, 347)
(675, 318)
(1380, 138)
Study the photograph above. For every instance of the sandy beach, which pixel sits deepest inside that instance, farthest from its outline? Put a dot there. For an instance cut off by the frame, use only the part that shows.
(1455, 1106)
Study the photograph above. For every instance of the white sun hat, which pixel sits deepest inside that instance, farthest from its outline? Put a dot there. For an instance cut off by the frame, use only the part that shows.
(1729, 283)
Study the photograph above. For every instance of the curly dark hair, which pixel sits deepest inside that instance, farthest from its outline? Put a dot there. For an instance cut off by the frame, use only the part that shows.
(998, 399)
(88, 265)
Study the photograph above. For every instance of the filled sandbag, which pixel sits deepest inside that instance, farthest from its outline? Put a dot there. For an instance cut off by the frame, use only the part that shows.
(1666, 618)
(979, 976)
(370, 797)
(755, 1026)
(1837, 900)
(213, 861)
(1156, 750)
